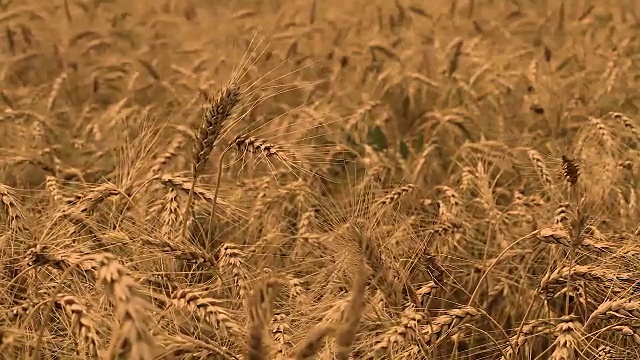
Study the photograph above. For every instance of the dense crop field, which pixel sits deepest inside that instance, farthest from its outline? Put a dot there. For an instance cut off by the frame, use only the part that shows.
(393, 179)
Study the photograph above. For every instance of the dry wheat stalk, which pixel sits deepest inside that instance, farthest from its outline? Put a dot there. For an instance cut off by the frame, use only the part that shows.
(422, 159)
(89, 121)
(346, 333)
(253, 145)
(584, 272)
(569, 335)
(541, 167)
(605, 352)
(91, 199)
(170, 215)
(192, 349)
(259, 315)
(209, 309)
(296, 287)
(570, 170)
(43, 255)
(307, 220)
(529, 330)
(281, 334)
(182, 251)
(631, 330)
(10, 207)
(374, 177)
(170, 152)
(385, 277)
(442, 326)
(425, 292)
(82, 323)
(165, 282)
(55, 89)
(628, 124)
(232, 259)
(467, 178)
(18, 285)
(213, 120)
(26, 307)
(313, 341)
(407, 329)
(554, 235)
(395, 243)
(244, 144)
(603, 132)
(614, 309)
(53, 186)
(393, 196)
(528, 202)
(184, 184)
(562, 216)
(132, 333)
(453, 198)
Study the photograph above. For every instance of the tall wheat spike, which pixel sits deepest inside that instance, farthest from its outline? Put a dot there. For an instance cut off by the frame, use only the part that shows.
(213, 119)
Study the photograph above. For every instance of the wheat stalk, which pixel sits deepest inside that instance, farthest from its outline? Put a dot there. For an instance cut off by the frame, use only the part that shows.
(260, 314)
(346, 333)
(313, 341)
(209, 309)
(132, 334)
(213, 120)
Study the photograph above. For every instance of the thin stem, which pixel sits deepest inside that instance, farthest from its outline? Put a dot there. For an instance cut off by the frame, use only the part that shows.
(187, 210)
(493, 264)
(577, 227)
(52, 299)
(215, 194)
(524, 318)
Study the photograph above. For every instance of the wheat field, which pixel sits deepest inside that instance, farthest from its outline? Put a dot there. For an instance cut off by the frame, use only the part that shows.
(394, 179)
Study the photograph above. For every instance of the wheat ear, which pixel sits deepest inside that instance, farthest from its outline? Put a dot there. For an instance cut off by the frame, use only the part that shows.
(244, 143)
(213, 120)
(310, 345)
(260, 313)
(347, 332)
(133, 332)
(91, 259)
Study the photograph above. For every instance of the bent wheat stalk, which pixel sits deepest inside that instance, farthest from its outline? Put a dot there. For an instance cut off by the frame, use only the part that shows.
(245, 144)
(215, 193)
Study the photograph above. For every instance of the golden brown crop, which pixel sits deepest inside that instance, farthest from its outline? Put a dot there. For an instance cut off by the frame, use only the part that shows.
(319, 180)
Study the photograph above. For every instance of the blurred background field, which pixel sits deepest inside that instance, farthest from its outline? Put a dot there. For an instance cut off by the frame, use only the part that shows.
(398, 179)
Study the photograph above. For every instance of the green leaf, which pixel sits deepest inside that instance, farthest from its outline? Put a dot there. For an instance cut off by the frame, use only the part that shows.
(404, 150)
(377, 139)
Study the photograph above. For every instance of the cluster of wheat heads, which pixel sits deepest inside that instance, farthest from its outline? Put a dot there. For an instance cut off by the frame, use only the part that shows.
(454, 180)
